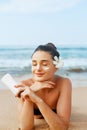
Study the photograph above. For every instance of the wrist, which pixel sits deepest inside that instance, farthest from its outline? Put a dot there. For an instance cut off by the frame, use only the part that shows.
(39, 101)
(29, 101)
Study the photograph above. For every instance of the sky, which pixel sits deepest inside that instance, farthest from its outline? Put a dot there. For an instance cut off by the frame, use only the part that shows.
(34, 22)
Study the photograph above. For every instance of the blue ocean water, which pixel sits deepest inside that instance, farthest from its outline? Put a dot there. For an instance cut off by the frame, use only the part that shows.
(17, 61)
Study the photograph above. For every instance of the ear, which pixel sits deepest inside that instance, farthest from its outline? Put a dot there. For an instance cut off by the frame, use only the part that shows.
(56, 69)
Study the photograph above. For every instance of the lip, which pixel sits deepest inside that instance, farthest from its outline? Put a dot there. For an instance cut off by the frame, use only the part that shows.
(39, 74)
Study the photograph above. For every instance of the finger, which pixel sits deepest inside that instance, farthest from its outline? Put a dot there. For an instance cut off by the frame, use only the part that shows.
(50, 86)
(19, 85)
(52, 83)
(26, 91)
(18, 94)
(25, 95)
(22, 97)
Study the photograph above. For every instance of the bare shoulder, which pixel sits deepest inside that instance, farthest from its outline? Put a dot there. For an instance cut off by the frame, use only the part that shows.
(65, 83)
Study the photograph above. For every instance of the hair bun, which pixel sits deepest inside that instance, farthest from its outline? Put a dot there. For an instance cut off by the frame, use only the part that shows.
(51, 45)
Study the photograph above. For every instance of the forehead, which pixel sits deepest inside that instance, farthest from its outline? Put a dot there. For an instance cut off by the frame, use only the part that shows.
(41, 55)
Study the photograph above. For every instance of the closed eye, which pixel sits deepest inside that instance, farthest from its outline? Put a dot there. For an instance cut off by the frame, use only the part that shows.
(34, 63)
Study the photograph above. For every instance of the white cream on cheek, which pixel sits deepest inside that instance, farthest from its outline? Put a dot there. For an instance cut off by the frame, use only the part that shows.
(46, 68)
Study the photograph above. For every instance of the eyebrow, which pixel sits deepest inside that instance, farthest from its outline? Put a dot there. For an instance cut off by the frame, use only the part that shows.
(41, 60)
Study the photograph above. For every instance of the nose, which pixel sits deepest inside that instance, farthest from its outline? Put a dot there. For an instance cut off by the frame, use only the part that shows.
(38, 67)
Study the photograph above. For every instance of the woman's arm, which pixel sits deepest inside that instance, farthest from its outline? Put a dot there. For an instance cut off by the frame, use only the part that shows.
(59, 120)
(65, 101)
(53, 120)
(34, 87)
(25, 114)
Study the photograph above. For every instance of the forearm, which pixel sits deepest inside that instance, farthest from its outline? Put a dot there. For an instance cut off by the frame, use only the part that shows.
(27, 115)
(53, 120)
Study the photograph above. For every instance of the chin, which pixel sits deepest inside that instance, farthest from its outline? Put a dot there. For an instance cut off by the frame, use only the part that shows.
(40, 79)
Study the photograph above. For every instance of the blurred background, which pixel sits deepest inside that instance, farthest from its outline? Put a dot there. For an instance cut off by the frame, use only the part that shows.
(25, 24)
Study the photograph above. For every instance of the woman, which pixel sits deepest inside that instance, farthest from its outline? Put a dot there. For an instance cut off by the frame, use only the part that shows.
(45, 94)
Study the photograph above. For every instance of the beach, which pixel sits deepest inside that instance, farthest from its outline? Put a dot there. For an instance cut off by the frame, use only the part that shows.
(17, 62)
(8, 110)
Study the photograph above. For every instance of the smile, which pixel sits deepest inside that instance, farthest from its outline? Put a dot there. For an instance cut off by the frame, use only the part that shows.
(39, 74)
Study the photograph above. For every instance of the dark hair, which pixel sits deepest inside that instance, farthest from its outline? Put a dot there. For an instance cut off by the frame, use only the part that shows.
(50, 48)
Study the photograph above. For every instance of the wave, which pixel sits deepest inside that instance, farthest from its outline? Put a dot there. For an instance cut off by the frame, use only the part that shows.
(15, 63)
(18, 60)
(68, 62)
(18, 67)
(75, 62)
(77, 70)
(72, 48)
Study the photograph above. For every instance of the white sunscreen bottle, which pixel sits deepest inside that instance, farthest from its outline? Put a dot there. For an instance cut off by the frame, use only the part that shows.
(8, 80)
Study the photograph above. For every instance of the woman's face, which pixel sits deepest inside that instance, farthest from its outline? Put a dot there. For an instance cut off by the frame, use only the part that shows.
(42, 66)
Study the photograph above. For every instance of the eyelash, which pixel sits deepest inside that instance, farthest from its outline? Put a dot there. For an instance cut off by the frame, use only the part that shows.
(34, 64)
(42, 64)
(45, 64)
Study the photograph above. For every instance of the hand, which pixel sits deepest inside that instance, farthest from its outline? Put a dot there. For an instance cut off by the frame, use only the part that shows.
(38, 86)
(21, 88)
(30, 95)
(35, 87)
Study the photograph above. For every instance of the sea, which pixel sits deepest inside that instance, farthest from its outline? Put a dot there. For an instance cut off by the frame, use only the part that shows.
(17, 61)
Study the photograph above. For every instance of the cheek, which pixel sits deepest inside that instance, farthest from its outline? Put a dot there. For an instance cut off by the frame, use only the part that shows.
(46, 68)
(50, 71)
(33, 69)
